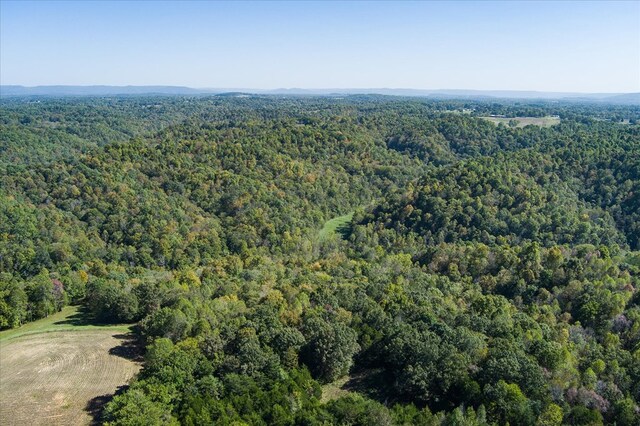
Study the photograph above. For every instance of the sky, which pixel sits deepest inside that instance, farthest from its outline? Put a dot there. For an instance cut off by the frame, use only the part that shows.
(546, 46)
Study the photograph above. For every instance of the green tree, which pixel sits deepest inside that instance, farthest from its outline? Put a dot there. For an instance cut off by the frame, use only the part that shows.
(330, 348)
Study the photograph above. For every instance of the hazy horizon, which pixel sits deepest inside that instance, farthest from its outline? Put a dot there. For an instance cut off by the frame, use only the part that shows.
(259, 90)
(578, 47)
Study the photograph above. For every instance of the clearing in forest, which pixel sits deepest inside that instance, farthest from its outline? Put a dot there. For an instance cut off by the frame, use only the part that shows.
(526, 121)
(371, 383)
(61, 370)
(336, 225)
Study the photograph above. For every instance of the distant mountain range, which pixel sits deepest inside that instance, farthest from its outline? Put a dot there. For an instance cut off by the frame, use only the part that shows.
(618, 98)
(97, 90)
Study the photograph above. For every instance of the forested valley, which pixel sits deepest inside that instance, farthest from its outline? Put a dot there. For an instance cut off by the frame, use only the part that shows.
(484, 274)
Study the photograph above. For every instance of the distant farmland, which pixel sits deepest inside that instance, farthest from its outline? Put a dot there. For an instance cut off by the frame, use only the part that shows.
(526, 121)
(58, 372)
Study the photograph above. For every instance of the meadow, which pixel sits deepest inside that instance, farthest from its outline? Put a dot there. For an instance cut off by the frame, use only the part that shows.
(547, 121)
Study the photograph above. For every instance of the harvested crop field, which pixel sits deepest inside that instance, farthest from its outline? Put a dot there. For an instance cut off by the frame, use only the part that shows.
(62, 377)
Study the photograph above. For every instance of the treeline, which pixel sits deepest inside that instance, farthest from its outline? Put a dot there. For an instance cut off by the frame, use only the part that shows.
(488, 275)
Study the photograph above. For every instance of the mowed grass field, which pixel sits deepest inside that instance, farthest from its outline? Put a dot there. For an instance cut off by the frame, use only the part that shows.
(526, 121)
(60, 370)
(334, 226)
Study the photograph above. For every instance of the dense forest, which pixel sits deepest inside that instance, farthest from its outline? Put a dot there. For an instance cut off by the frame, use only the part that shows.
(489, 273)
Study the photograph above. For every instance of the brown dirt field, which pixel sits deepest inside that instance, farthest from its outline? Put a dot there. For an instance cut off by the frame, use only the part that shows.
(62, 377)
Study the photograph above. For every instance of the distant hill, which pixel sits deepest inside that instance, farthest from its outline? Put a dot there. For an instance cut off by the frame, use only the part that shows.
(471, 94)
(620, 98)
(627, 98)
(95, 90)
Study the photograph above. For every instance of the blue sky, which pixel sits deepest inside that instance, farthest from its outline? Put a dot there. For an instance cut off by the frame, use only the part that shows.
(547, 46)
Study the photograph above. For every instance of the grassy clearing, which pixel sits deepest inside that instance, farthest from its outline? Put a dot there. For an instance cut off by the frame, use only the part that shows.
(371, 383)
(526, 121)
(70, 318)
(62, 369)
(335, 390)
(334, 226)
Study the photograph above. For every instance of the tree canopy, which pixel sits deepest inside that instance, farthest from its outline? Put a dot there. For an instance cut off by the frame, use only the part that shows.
(489, 273)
